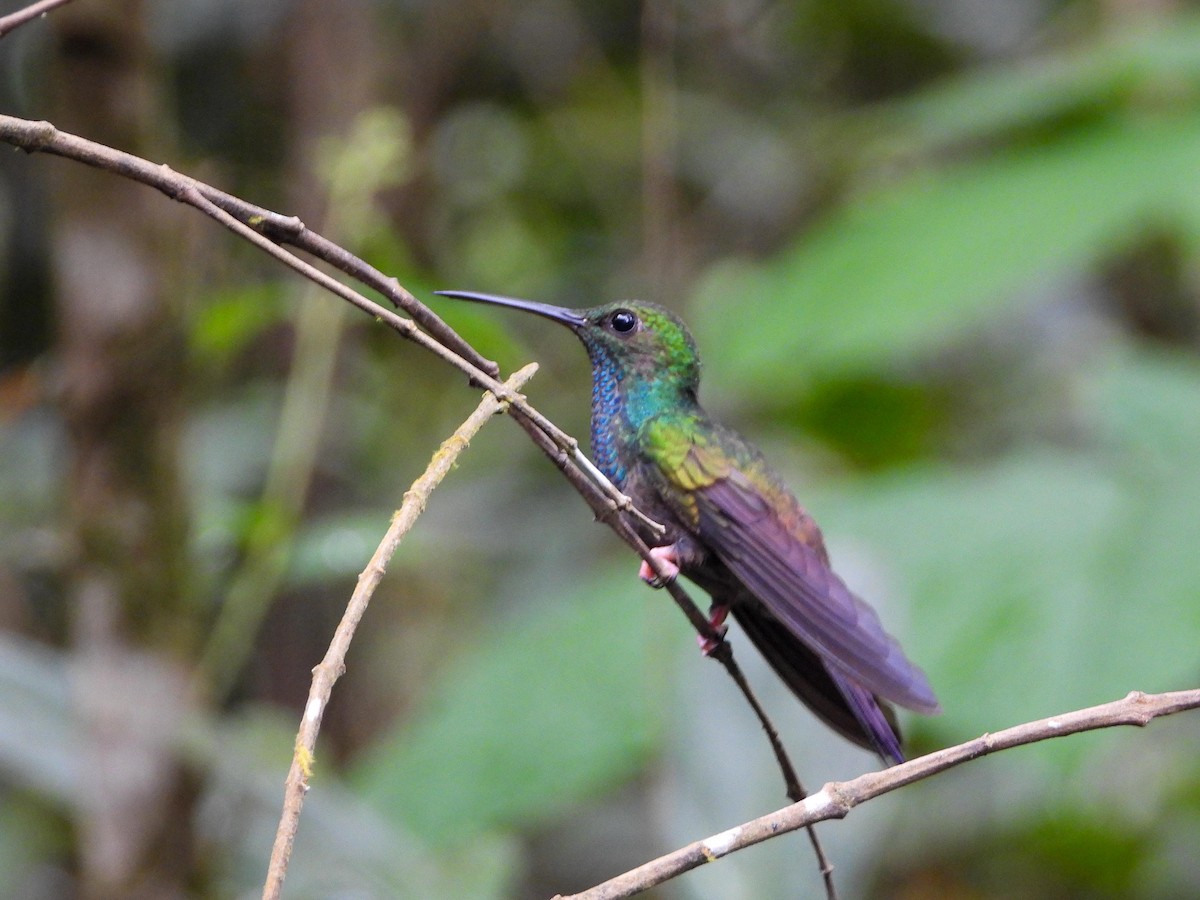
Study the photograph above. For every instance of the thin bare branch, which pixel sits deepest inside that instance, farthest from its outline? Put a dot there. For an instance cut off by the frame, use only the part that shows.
(264, 228)
(331, 668)
(836, 799)
(28, 14)
(267, 230)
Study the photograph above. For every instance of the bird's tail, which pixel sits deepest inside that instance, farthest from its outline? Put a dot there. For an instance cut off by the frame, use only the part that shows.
(852, 711)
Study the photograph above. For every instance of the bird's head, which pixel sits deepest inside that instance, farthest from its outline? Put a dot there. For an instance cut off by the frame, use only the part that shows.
(635, 340)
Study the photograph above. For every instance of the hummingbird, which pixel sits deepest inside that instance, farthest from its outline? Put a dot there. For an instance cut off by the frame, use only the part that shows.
(732, 525)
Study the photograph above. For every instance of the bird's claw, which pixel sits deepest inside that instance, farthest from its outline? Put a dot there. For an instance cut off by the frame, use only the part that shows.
(716, 619)
(709, 644)
(667, 560)
(655, 581)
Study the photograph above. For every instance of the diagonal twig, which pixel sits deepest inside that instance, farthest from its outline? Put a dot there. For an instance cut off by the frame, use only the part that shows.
(268, 230)
(16, 19)
(327, 672)
(835, 800)
(265, 228)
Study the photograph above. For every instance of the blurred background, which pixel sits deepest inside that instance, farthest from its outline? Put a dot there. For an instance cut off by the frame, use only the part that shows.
(942, 259)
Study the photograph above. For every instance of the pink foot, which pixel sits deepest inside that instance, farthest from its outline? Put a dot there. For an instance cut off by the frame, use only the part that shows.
(717, 614)
(665, 557)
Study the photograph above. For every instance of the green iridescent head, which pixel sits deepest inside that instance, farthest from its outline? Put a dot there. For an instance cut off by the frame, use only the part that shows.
(638, 339)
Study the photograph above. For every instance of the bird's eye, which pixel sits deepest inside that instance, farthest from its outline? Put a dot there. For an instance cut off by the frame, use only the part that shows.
(623, 321)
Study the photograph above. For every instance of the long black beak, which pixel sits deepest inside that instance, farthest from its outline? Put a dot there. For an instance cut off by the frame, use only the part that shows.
(569, 317)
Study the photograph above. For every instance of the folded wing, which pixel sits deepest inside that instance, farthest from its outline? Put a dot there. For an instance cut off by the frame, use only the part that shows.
(742, 513)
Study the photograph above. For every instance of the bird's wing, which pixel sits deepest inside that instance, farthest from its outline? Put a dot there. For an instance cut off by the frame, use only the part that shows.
(773, 547)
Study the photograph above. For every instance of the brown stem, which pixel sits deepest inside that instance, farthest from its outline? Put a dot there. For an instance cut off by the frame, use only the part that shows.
(28, 14)
(331, 668)
(836, 799)
(267, 230)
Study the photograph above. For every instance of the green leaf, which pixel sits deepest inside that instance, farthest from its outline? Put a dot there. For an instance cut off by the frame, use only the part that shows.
(1090, 852)
(1051, 581)
(908, 267)
(550, 708)
(231, 318)
(997, 563)
(1099, 74)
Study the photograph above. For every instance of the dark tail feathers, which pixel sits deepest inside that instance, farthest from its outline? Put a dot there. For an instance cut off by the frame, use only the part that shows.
(850, 710)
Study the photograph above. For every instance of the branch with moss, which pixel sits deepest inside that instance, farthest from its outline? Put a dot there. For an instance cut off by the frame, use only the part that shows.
(330, 669)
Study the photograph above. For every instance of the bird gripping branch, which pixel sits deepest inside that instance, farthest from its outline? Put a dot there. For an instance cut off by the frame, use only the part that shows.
(733, 527)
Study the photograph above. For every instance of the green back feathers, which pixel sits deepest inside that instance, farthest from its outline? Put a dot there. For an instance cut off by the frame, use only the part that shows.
(682, 448)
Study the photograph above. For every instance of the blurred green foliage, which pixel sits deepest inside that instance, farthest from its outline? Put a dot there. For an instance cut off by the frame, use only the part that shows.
(499, 743)
(943, 263)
